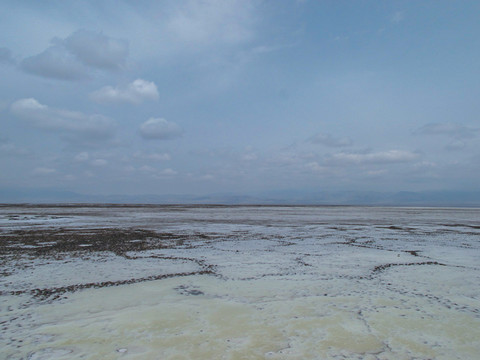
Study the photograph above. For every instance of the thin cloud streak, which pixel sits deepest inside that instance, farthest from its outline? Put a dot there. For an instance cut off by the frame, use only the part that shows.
(330, 141)
(450, 129)
(382, 157)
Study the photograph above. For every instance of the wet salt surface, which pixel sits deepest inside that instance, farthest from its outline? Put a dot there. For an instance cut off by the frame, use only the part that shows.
(239, 283)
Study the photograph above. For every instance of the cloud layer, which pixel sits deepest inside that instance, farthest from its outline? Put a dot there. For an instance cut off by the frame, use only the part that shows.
(63, 121)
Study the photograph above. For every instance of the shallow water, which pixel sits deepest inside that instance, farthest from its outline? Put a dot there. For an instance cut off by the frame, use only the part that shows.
(244, 283)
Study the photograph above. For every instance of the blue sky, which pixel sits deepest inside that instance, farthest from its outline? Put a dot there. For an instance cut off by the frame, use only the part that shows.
(197, 97)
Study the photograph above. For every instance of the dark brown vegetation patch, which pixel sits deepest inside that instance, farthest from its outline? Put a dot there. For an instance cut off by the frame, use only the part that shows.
(80, 241)
(55, 244)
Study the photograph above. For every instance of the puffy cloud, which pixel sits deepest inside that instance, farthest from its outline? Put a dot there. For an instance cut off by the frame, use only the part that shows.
(63, 121)
(383, 157)
(160, 129)
(329, 140)
(453, 130)
(134, 93)
(71, 58)
(6, 56)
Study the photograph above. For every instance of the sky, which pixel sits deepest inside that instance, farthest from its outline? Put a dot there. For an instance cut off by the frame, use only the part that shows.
(240, 96)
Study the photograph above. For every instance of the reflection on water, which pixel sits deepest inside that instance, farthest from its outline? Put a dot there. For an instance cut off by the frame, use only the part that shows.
(240, 283)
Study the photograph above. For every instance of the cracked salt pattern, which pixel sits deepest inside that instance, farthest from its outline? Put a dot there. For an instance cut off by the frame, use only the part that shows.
(247, 282)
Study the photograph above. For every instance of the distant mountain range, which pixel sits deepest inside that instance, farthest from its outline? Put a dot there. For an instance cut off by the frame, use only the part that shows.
(284, 197)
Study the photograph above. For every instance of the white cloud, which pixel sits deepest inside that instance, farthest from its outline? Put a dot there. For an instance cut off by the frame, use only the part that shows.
(157, 172)
(72, 57)
(10, 149)
(57, 63)
(99, 162)
(160, 129)
(213, 21)
(425, 165)
(456, 145)
(152, 156)
(43, 171)
(341, 38)
(83, 156)
(398, 17)
(391, 156)
(63, 121)
(134, 93)
(129, 168)
(374, 173)
(148, 169)
(168, 172)
(3, 105)
(6, 56)
(329, 140)
(315, 166)
(97, 50)
(453, 130)
(207, 177)
(249, 157)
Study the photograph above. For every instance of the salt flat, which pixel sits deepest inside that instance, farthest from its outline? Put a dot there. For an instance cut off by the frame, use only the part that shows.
(239, 282)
